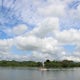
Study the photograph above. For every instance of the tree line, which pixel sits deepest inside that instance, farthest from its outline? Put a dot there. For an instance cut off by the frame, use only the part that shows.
(47, 64)
(14, 63)
(61, 64)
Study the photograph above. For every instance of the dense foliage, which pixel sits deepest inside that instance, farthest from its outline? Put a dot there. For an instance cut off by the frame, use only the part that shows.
(61, 64)
(20, 64)
(47, 64)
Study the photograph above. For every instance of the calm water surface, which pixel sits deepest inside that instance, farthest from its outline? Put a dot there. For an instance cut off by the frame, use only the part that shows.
(36, 74)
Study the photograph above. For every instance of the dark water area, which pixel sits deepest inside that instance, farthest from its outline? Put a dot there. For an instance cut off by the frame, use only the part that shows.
(21, 73)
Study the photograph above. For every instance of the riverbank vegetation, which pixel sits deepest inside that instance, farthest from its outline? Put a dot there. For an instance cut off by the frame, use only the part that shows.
(13, 63)
(47, 64)
(61, 64)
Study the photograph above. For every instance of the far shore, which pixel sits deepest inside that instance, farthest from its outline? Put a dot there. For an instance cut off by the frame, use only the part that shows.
(34, 64)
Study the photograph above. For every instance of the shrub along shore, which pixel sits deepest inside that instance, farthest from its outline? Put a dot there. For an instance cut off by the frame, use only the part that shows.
(47, 64)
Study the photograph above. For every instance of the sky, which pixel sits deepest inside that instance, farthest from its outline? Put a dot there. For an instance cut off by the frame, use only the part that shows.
(39, 29)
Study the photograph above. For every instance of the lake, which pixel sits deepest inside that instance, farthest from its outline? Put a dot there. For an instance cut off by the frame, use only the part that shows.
(21, 73)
